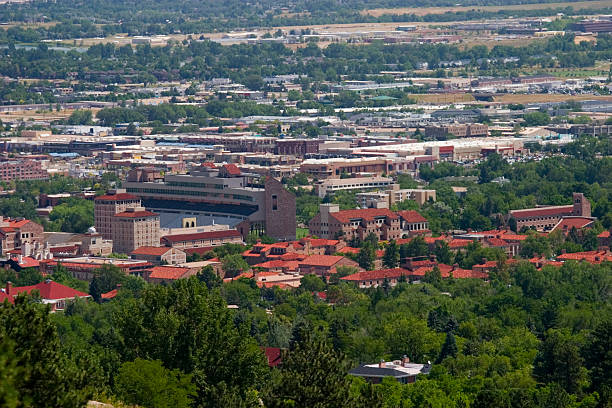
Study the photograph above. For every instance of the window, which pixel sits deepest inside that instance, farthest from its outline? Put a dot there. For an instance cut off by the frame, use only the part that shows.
(274, 202)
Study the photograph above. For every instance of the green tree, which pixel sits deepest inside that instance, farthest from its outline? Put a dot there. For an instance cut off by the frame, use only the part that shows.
(391, 257)
(312, 375)
(449, 348)
(312, 283)
(38, 372)
(559, 361)
(80, 117)
(233, 265)
(366, 256)
(106, 279)
(148, 384)
(598, 356)
(209, 277)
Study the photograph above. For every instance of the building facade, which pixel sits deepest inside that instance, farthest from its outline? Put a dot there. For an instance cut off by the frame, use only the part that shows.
(22, 170)
(134, 228)
(545, 218)
(110, 204)
(331, 223)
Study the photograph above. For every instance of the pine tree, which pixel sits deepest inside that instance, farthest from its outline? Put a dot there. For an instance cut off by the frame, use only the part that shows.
(312, 375)
(391, 258)
(449, 349)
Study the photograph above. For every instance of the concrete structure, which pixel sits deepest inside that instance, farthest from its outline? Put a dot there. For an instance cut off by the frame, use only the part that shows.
(220, 195)
(110, 204)
(545, 218)
(134, 228)
(394, 195)
(329, 186)
(331, 223)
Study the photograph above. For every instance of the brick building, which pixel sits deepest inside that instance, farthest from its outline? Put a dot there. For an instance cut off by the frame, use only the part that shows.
(297, 147)
(15, 233)
(134, 228)
(439, 132)
(108, 205)
(22, 170)
(545, 218)
(331, 223)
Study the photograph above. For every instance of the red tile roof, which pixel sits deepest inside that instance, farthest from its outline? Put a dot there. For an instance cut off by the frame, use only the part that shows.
(496, 242)
(459, 243)
(50, 290)
(136, 214)
(232, 169)
(544, 211)
(167, 272)
(349, 250)
(109, 295)
(367, 214)
(566, 224)
(593, 257)
(116, 197)
(321, 260)
(605, 234)
(376, 275)
(514, 237)
(209, 165)
(202, 235)
(411, 216)
(149, 250)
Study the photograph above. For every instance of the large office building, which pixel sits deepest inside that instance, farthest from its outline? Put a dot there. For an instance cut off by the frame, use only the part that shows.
(134, 228)
(219, 195)
(108, 205)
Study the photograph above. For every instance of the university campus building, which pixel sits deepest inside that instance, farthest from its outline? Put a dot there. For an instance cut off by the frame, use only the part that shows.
(219, 195)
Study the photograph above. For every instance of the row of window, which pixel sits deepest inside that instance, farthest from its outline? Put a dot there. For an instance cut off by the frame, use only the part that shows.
(189, 193)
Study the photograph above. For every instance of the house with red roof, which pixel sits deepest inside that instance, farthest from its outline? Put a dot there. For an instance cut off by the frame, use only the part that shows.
(332, 223)
(604, 239)
(56, 295)
(368, 279)
(168, 274)
(159, 255)
(413, 223)
(592, 257)
(324, 265)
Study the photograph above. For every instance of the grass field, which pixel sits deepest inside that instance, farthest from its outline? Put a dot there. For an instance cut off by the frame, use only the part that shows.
(421, 11)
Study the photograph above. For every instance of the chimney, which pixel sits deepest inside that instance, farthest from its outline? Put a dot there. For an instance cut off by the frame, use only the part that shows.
(381, 364)
(9, 286)
(564, 251)
(455, 266)
(469, 230)
(405, 360)
(484, 260)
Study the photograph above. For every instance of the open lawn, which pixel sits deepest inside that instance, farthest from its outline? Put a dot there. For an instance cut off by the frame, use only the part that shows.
(421, 11)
